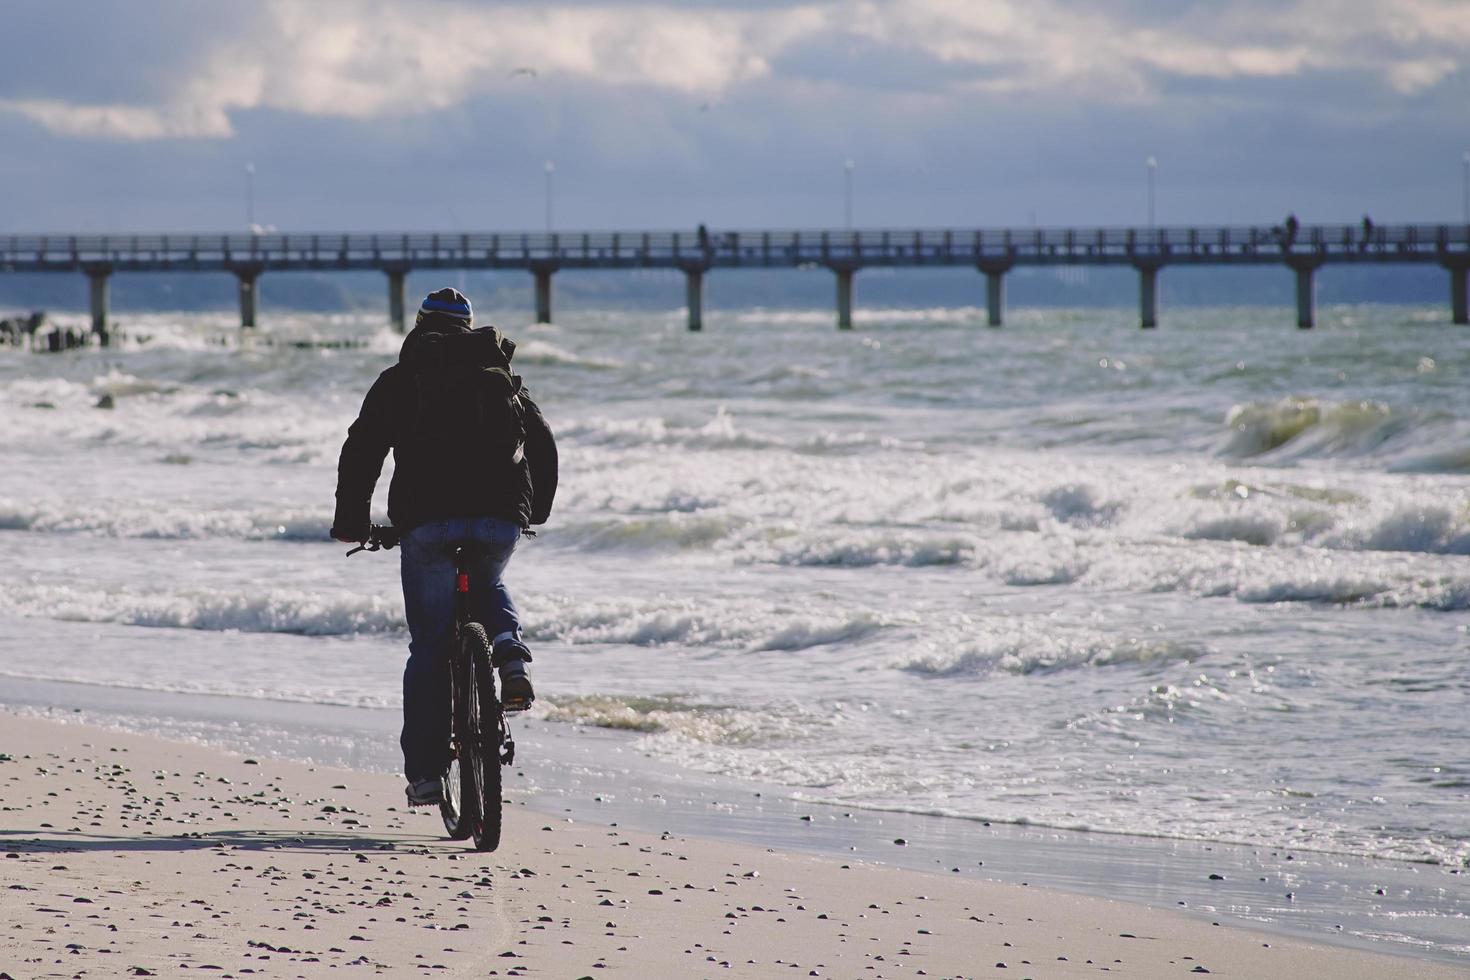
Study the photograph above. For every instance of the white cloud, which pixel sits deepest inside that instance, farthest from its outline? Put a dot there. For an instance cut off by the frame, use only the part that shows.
(361, 60)
(355, 60)
(1098, 53)
(123, 121)
(1410, 77)
(1181, 56)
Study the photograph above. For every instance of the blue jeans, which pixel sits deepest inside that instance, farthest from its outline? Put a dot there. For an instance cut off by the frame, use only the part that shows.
(428, 602)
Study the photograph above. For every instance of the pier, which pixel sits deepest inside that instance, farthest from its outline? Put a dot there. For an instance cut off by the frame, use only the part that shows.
(1297, 250)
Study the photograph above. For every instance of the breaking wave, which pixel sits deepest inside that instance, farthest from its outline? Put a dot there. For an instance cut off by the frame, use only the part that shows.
(689, 622)
(161, 521)
(720, 432)
(1029, 651)
(336, 613)
(1297, 428)
(1257, 428)
(867, 548)
(673, 716)
(659, 532)
(543, 354)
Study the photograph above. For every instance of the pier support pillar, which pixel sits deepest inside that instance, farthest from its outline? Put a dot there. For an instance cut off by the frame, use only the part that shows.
(1306, 298)
(98, 277)
(1459, 290)
(542, 272)
(694, 296)
(844, 295)
(994, 290)
(247, 274)
(1306, 291)
(1148, 294)
(396, 307)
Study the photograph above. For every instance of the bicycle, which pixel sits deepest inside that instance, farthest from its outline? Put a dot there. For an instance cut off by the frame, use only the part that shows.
(480, 739)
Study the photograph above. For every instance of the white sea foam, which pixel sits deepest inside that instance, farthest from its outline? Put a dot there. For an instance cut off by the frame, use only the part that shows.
(330, 613)
(1069, 573)
(1079, 504)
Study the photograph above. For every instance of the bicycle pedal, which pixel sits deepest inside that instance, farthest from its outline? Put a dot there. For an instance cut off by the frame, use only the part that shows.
(427, 797)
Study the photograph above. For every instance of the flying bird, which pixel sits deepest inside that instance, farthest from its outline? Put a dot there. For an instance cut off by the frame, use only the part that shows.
(528, 72)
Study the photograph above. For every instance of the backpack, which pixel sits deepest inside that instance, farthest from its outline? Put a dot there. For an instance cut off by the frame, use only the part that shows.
(465, 396)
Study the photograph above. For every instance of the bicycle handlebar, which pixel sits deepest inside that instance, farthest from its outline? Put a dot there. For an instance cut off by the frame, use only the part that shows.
(380, 536)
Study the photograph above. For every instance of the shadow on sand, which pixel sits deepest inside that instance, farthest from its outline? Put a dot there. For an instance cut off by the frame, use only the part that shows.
(59, 842)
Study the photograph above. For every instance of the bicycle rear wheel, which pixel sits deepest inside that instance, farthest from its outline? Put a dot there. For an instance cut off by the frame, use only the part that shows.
(461, 799)
(481, 752)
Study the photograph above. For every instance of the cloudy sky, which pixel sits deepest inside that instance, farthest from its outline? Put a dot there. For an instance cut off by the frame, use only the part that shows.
(440, 114)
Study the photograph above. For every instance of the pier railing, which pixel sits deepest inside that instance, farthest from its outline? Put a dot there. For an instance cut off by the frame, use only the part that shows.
(1302, 248)
(1225, 244)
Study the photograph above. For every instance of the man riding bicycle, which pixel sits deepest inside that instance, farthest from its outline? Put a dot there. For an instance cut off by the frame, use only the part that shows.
(475, 466)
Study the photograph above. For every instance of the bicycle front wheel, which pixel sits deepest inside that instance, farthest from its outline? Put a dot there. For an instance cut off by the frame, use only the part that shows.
(461, 799)
(481, 746)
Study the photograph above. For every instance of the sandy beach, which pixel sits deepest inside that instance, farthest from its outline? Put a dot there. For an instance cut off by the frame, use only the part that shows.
(128, 855)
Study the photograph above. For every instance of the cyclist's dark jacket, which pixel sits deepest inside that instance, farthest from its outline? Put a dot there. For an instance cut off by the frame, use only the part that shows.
(431, 482)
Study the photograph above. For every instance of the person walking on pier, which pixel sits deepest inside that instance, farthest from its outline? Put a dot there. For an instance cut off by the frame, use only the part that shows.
(475, 464)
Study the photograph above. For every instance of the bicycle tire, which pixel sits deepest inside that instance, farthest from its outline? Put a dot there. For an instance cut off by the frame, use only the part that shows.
(460, 796)
(482, 750)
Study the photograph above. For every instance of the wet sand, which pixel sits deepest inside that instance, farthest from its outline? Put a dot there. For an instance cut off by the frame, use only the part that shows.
(127, 855)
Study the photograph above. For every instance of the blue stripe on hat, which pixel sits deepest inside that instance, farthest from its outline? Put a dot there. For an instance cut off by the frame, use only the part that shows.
(433, 305)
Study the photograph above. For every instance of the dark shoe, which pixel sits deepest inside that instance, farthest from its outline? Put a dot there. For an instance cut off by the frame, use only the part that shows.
(516, 693)
(425, 792)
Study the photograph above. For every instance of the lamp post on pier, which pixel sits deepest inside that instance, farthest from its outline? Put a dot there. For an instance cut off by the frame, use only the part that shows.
(250, 198)
(1465, 184)
(1151, 167)
(550, 169)
(847, 168)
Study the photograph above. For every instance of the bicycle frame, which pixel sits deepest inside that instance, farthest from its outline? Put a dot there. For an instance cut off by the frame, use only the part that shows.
(464, 556)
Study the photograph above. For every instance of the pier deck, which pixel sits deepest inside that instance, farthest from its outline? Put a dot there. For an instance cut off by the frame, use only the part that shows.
(1302, 249)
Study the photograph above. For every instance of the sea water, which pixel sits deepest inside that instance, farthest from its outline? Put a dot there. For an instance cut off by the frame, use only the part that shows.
(1205, 582)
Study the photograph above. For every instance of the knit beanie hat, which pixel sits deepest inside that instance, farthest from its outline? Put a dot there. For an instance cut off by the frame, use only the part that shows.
(448, 303)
